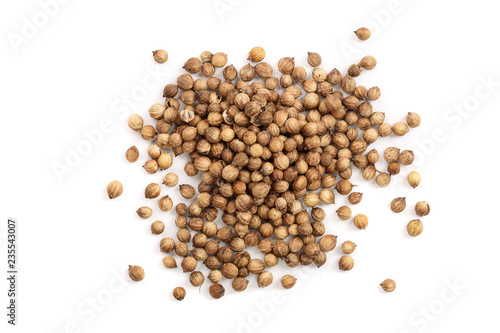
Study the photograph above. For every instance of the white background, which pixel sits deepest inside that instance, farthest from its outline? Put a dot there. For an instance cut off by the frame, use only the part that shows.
(77, 69)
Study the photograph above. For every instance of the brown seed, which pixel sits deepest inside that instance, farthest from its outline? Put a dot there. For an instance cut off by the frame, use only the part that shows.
(256, 54)
(239, 284)
(422, 208)
(344, 213)
(264, 279)
(219, 59)
(388, 285)
(135, 122)
(196, 278)
(400, 129)
(286, 65)
(193, 65)
(136, 273)
(361, 221)
(160, 56)
(152, 191)
(188, 264)
(115, 189)
(327, 243)
(327, 196)
(406, 157)
(216, 290)
(288, 281)
(413, 119)
(165, 204)
(157, 227)
(414, 179)
(415, 228)
(179, 293)
(398, 205)
(144, 212)
(368, 62)
(363, 33)
(383, 179)
(374, 93)
(313, 59)
(348, 247)
(187, 191)
(346, 263)
(355, 198)
(132, 154)
(169, 262)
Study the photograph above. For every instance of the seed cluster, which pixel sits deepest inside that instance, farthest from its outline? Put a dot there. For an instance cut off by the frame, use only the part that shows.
(270, 150)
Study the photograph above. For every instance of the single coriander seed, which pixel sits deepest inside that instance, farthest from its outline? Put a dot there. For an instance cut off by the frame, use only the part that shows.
(288, 281)
(346, 263)
(179, 293)
(157, 227)
(348, 247)
(388, 285)
(160, 56)
(216, 290)
(132, 154)
(414, 179)
(361, 221)
(136, 273)
(363, 33)
(115, 189)
(313, 59)
(415, 228)
(398, 204)
(422, 208)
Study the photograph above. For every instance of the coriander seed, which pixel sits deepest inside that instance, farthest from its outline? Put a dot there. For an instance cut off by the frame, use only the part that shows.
(216, 290)
(361, 221)
(388, 285)
(160, 56)
(346, 263)
(422, 208)
(398, 205)
(256, 54)
(179, 293)
(132, 154)
(413, 119)
(348, 247)
(136, 273)
(264, 279)
(114, 189)
(145, 212)
(288, 281)
(313, 59)
(239, 284)
(406, 157)
(363, 33)
(196, 278)
(400, 129)
(169, 262)
(415, 228)
(135, 122)
(414, 179)
(368, 62)
(157, 227)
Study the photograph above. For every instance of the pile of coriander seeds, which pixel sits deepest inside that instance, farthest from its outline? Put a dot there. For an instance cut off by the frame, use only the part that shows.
(270, 144)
